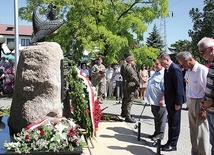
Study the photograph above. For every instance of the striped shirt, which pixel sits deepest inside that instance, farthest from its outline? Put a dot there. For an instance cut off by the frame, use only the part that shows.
(209, 91)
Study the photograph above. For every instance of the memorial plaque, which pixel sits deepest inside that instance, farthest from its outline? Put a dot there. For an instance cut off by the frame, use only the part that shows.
(64, 78)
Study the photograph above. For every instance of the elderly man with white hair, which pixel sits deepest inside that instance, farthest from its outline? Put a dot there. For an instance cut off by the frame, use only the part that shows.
(206, 50)
(196, 84)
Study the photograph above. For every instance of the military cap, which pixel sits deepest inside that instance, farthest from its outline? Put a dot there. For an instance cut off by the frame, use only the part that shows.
(130, 58)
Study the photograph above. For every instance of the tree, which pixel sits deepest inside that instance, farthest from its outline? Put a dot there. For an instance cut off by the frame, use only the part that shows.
(203, 24)
(145, 55)
(154, 40)
(178, 46)
(104, 26)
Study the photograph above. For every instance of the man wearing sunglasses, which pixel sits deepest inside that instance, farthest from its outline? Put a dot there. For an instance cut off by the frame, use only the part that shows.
(206, 49)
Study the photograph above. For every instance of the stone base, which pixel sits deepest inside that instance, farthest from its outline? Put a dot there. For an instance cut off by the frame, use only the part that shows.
(77, 151)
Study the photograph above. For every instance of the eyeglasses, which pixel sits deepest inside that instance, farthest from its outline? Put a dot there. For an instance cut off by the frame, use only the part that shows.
(202, 51)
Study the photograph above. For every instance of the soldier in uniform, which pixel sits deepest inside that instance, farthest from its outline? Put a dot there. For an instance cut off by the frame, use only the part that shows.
(132, 82)
(123, 74)
(98, 78)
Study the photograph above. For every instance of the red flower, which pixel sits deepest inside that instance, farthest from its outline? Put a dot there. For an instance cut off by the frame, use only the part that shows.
(55, 123)
(27, 136)
(42, 133)
(71, 132)
(97, 113)
(40, 128)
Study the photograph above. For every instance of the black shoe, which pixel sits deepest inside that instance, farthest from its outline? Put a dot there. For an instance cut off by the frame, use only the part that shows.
(169, 148)
(151, 136)
(130, 120)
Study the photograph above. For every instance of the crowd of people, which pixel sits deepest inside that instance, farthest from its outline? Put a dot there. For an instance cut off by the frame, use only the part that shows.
(166, 87)
(166, 93)
(7, 75)
(121, 81)
(110, 79)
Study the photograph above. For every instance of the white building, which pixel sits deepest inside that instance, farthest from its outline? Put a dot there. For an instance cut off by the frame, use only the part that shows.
(25, 33)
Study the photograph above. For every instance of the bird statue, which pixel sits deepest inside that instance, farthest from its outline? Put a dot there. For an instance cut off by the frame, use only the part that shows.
(42, 28)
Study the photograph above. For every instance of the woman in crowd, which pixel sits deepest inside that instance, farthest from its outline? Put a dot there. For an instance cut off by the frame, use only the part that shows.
(143, 74)
(84, 69)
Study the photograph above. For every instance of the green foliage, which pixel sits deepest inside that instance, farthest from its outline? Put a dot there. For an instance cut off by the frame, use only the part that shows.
(107, 25)
(4, 112)
(178, 46)
(154, 40)
(145, 55)
(203, 24)
(53, 135)
(79, 101)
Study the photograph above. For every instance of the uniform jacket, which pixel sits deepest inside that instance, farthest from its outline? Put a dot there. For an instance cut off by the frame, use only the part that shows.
(131, 77)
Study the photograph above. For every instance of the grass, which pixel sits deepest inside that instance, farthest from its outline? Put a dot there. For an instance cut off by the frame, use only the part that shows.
(114, 99)
(4, 112)
(110, 118)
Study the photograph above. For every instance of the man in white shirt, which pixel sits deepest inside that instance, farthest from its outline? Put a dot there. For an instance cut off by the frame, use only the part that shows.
(119, 81)
(109, 80)
(196, 84)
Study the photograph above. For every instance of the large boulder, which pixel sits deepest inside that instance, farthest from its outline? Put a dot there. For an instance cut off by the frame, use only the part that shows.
(37, 92)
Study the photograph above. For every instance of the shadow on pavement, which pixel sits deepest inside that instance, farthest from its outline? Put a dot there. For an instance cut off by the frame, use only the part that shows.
(127, 135)
(134, 149)
(142, 117)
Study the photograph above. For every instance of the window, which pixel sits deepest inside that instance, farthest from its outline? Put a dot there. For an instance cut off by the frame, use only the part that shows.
(10, 40)
(9, 29)
(25, 42)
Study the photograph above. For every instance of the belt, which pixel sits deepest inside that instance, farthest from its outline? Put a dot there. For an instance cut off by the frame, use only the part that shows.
(195, 98)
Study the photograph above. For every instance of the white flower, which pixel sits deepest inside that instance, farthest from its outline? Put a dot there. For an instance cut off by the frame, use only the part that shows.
(52, 135)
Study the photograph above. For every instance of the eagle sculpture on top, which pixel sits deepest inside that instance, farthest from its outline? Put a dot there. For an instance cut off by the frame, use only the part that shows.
(42, 28)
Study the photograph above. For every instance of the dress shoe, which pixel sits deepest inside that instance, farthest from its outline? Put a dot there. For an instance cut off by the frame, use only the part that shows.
(130, 120)
(151, 136)
(169, 148)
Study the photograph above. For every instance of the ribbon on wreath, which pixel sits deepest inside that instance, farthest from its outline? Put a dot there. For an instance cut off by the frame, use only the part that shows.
(39, 123)
(91, 97)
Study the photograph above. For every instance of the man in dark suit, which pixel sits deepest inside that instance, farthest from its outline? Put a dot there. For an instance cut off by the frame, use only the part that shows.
(174, 98)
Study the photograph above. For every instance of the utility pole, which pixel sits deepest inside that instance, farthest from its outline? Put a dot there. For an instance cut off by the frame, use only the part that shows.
(163, 31)
(16, 33)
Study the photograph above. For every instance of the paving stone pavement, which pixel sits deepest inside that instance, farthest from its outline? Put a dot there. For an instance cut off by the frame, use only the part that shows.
(121, 138)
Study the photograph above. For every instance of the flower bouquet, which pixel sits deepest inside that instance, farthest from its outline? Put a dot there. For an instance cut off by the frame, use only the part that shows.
(48, 135)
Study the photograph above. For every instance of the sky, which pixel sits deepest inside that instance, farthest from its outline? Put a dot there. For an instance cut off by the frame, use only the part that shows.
(176, 26)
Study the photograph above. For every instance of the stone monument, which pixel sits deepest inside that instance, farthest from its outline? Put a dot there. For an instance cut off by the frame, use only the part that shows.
(37, 92)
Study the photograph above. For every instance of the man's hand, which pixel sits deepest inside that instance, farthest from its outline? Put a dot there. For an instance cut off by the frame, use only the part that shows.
(186, 80)
(202, 115)
(177, 107)
(161, 102)
(206, 104)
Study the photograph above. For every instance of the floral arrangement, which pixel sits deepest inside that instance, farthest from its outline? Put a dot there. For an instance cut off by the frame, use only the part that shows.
(97, 114)
(86, 109)
(48, 135)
